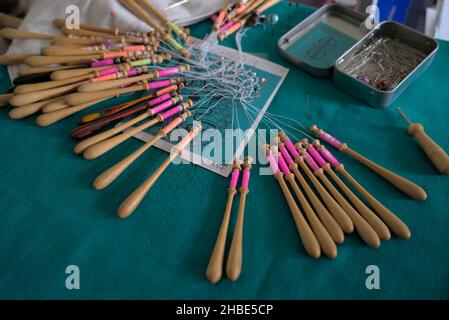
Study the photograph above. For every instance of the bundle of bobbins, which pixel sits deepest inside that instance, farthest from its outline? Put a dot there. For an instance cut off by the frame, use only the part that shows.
(237, 14)
(93, 64)
(327, 208)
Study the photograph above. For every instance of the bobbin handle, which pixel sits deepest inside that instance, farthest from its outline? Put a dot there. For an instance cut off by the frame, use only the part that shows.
(370, 228)
(102, 147)
(235, 256)
(11, 34)
(132, 6)
(37, 61)
(66, 74)
(406, 186)
(10, 59)
(308, 239)
(112, 84)
(328, 221)
(324, 239)
(67, 51)
(63, 41)
(27, 88)
(61, 23)
(25, 111)
(392, 221)
(215, 267)
(132, 202)
(31, 97)
(83, 145)
(433, 151)
(55, 116)
(4, 99)
(84, 97)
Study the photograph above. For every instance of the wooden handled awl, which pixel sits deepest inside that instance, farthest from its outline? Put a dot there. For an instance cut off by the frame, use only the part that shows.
(308, 238)
(406, 186)
(214, 269)
(132, 202)
(433, 151)
(235, 255)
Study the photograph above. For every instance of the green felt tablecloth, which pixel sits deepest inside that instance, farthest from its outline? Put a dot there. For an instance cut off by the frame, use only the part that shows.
(51, 217)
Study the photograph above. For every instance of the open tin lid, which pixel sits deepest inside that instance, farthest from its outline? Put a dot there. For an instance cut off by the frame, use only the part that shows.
(320, 40)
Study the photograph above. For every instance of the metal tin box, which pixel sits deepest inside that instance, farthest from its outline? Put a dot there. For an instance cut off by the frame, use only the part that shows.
(326, 41)
(317, 42)
(373, 96)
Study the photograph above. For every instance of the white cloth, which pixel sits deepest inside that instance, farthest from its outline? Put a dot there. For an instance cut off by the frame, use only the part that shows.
(98, 12)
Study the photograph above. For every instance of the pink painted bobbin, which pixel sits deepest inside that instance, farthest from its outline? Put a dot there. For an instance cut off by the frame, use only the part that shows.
(329, 157)
(291, 148)
(288, 159)
(283, 165)
(102, 63)
(316, 156)
(246, 173)
(309, 160)
(234, 178)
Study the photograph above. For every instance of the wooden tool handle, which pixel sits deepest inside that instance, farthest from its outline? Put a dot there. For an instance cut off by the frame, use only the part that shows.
(63, 41)
(27, 88)
(37, 61)
(132, 6)
(10, 21)
(34, 70)
(406, 186)
(28, 98)
(55, 106)
(369, 226)
(132, 202)
(152, 10)
(60, 23)
(434, 152)
(83, 145)
(214, 269)
(66, 74)
(324, 239)
(112, 84)
(85, 33)
(235, 256)
(308, 239)
(334, 208)
(84, 97)
(67, 51)
(55, 116)
(9, 59)
(102, 147)
(347, 208)
(111, 174)
(25, 111)
(11, 34)
(4, 99)
(328, 221)
(393, 222)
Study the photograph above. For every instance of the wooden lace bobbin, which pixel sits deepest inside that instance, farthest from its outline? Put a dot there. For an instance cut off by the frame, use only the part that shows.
(326, 242)
(28, 88)
(11, 59)
(104, 85)
(111, 174)
(308, 238)
(83, 145)
(368, 215)
(76, 72)
(170, 25)
(61, 23)
(102, 147)
(55, 106)
(391, 220)
(305, 161)
(221, 15)
(28, 110)
(364, 229)
(84, 97)
(433, 151)
(26, 71)
(214, 269)
(235, 255)
(50, 118)
(353, 214)
(132, 202)
(4, 99)
(406, 186)
(24, 99)
(326, 218)
(138, 11)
